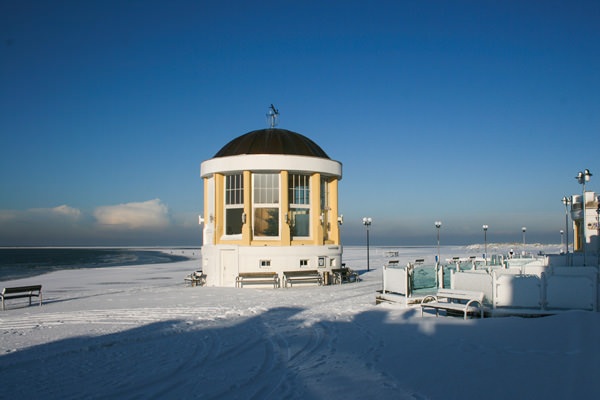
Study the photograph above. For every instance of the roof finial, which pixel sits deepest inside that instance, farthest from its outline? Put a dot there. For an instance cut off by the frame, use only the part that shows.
(272, 116)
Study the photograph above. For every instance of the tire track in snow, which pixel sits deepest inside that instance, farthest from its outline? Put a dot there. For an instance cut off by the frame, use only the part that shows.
(303, 349)
(372, 358)
(312, 344)
(264, 376)
(277, 354)
(131, 317)
(114, 351)
(176, 377)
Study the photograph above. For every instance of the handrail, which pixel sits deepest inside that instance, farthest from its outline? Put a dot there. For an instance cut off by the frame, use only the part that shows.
(474, 301)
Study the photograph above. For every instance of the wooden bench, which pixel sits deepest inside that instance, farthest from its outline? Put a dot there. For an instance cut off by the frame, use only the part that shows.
(341, 275)
(22, 292)
(196, 278)
(464, 301)
(302, 276)
(257, 277)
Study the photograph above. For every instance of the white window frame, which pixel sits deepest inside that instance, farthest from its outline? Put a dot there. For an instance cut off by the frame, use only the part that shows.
(231, 201)
(259, 202)
(324, 206)
(305, 197)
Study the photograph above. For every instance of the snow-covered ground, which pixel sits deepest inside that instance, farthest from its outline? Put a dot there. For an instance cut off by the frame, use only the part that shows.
(137, 332)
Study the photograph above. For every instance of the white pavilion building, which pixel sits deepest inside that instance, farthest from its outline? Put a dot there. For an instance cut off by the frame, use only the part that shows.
(587, 234)
(270, 204)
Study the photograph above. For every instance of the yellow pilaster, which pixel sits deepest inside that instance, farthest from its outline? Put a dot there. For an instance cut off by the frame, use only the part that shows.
(577, 242)
(334, 234)
(315, 209)
(285, 209)
(219, 203)
(247, 227)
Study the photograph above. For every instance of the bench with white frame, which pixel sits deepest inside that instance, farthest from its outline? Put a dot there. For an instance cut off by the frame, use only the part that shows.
(464, 301)
(302, 276)
(257, 278)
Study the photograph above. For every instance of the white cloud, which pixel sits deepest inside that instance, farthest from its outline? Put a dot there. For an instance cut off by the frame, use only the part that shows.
(151, 214)
(63, 211)
(58, 214)
(131, 224)
(7, 215)
(41, 226)
(67, 211)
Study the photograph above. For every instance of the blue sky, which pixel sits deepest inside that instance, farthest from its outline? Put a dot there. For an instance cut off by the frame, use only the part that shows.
(468, 112)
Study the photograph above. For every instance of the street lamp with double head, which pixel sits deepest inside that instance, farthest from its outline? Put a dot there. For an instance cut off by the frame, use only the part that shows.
(582, 178)
(367, 222)
(566, 201)
(485, 228)
(438, 225)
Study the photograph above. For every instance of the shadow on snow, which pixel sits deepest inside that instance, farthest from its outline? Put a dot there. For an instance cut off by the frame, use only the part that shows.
(279, 354)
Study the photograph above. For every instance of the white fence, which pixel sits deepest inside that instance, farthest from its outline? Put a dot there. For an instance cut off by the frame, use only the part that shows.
(396, 280)
(534, 287)
(529, 286)
(477, 280)
(572, 287)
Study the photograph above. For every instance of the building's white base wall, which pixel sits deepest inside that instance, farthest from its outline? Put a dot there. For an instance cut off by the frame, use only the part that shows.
(222, 263)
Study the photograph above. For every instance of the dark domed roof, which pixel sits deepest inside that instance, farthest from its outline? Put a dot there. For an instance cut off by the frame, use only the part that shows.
(272, 141)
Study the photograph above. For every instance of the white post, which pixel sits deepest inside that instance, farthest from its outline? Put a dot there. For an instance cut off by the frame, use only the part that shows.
(582, 178)
(438, 225)
(485, 228)
(384, 277)
(406, 282)
(494, 279)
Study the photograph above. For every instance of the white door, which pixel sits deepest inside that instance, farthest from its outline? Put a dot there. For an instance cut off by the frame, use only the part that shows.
(228, 267)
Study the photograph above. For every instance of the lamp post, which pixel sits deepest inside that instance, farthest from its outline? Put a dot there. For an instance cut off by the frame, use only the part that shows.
(561, 237)
(582, 178)
(485, 228)
(438, 225)
(367, 222)
(566, 201)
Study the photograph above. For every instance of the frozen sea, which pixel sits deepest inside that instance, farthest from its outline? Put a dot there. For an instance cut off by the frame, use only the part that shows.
(22, 262)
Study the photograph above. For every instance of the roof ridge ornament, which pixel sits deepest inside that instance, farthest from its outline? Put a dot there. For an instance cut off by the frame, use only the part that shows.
(272, 117)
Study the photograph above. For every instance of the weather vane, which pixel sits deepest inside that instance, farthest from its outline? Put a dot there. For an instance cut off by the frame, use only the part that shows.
(272, 116)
